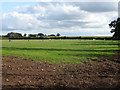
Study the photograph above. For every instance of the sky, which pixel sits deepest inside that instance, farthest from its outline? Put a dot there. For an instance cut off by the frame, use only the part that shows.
(66, 18)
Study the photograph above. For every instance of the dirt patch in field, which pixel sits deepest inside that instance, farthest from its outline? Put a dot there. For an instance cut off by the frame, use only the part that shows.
(24, 73)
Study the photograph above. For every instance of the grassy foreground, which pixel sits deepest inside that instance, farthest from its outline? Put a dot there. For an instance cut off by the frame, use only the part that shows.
(57, 51)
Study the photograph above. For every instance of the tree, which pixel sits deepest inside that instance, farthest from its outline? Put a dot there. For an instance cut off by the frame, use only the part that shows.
(25, 35)
(40, 34)
(57, 34)
(14, 35)
(32, 35)
(115, 25)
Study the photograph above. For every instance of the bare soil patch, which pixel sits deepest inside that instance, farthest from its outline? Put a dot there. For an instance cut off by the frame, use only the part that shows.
(25, 73)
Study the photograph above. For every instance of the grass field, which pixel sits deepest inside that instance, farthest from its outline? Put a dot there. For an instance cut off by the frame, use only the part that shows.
(57, 51)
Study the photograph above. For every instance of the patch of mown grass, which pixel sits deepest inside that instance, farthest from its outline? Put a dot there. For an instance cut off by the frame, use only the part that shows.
(59, 51)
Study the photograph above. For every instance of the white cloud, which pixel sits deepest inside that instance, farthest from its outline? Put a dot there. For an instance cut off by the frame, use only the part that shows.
(20, 21)
(65, 18)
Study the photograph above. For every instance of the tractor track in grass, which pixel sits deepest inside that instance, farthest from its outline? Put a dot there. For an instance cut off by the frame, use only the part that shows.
(24, 73)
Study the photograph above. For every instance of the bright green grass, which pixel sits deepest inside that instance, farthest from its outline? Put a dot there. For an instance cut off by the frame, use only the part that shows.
(57, 51)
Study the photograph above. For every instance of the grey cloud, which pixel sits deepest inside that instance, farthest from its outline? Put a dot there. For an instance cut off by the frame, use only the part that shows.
(67, 24)
(89, 6)
(98, 6)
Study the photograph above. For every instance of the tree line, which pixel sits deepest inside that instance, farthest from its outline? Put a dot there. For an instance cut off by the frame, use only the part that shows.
(19, 35)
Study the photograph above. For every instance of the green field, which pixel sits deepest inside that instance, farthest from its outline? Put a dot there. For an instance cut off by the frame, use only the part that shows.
(57, 51)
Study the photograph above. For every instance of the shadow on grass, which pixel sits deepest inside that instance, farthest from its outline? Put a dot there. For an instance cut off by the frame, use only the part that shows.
(52, 49)
(95, 44)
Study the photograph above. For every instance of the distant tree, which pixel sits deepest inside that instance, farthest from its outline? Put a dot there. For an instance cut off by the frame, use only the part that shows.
(32, 35)
(14, 35)
(58, 34)
(25, 35)
(115, 25)
(40, 34)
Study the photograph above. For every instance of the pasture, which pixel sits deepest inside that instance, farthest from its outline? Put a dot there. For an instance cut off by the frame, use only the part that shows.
(60, 51)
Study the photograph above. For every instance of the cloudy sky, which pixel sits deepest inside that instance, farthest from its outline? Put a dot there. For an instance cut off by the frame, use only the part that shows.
(66, 18)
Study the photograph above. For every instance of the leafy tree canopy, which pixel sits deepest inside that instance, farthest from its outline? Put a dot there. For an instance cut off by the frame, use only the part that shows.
(115, 25)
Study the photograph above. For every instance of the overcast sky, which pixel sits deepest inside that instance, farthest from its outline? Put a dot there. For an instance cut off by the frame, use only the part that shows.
(66, 18)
